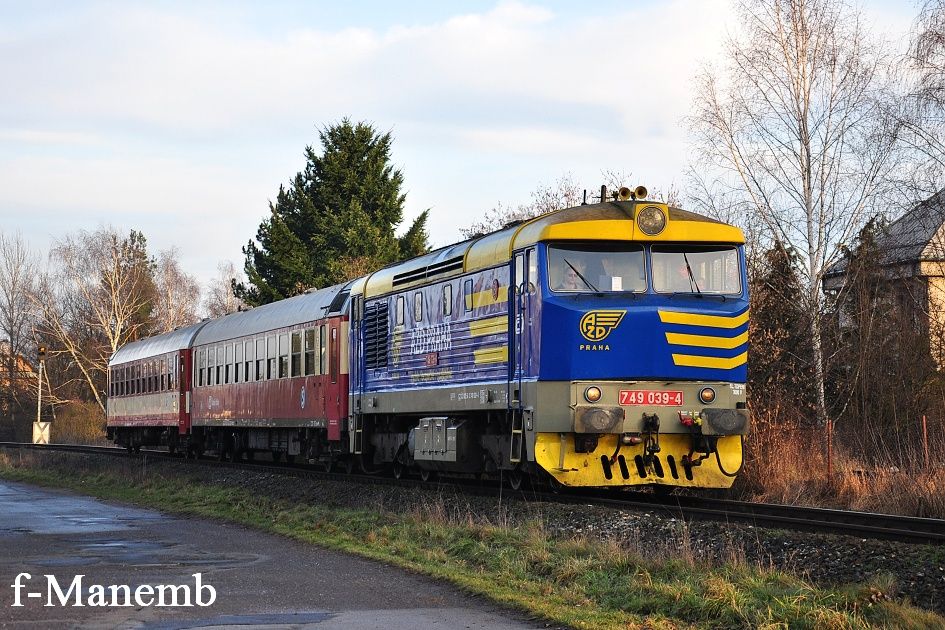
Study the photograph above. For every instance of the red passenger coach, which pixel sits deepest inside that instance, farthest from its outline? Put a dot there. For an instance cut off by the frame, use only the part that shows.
(274, 379)
(149, 391)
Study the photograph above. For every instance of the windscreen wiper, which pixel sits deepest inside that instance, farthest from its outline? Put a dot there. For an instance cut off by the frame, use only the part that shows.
(692, 278)
(581, 276)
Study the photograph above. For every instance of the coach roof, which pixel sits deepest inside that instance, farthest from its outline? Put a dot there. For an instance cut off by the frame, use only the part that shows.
(289, 312)
(179, 339)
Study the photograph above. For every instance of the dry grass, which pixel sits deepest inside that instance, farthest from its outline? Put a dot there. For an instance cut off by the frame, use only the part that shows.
(78, 423)
(790, 466)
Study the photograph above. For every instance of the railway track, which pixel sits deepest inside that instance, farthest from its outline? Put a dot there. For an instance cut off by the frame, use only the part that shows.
(860, 524)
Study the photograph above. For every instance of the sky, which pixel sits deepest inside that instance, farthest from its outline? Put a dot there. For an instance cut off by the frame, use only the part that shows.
(181, 119)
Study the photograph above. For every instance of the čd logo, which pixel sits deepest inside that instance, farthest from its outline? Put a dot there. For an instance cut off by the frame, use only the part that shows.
(596, 325)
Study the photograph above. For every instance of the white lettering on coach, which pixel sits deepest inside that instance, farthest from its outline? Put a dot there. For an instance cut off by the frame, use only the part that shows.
(430, 339)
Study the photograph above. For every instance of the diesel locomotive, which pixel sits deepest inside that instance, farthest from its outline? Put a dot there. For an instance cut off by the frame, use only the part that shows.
(599, 345)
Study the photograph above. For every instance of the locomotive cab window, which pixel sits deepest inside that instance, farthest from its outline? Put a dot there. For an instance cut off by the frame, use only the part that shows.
(709, 269)
(596, 269)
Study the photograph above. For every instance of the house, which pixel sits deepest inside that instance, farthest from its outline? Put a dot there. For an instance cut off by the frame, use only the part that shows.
(912, 262)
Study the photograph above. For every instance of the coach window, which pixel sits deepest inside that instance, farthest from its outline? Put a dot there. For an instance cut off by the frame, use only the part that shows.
(297, 353)
(417, 307)
(238, 362)
(221, 361)
(211, 366)
(272, 370)
(283, 355)
(322, 340)
(468, 294)
(163, 375)
(228, 363)
(310, 352)
(260, 359)
(202, 367)
(447, 299)
(248, 361)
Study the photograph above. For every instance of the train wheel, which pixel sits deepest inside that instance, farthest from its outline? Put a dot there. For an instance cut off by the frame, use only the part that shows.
(398, 469)
(348, 465)
(427, 475)
(172, 449)
(515, 479)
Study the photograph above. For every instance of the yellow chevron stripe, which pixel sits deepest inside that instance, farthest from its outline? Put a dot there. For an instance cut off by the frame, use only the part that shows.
(705, 341)
(689, 360)
(498, 354)
(490, 326)
(484, 298)
(695, 319)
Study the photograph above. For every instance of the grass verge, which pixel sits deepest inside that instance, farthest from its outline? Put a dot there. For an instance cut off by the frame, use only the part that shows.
(574, 581)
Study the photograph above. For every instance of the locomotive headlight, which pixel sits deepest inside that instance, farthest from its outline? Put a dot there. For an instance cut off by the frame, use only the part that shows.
(707, 395)
(592, 394)
(651, 220)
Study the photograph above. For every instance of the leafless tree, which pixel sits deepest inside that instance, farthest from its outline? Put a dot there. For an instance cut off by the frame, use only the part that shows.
(796, 122)
(177, 294)
(922, 111)
(220, 299)
(563, 193)
(95, 297)
(17, 279)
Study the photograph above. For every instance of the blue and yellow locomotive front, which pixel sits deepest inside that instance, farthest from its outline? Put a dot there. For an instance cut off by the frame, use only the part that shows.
(603, 344)
(630, 347)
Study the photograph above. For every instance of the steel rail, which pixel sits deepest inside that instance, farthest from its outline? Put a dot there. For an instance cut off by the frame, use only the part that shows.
(872, 525)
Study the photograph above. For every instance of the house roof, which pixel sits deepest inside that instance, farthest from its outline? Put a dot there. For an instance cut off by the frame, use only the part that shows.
(916, 236)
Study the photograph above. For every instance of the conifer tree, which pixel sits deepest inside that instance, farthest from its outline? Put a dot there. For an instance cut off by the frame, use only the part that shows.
(336, 220)
(780, 370)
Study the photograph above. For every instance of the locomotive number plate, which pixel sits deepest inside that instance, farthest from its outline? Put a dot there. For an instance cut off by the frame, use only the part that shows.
(651, 398)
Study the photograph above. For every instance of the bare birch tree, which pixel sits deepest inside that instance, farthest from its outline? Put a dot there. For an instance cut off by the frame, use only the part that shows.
(220, 299)
(922, 112)
(177, 293)
(96, 297)
(796, 122)
(17, 280)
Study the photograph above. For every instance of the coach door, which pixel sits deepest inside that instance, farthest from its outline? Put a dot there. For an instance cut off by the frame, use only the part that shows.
(522, 309)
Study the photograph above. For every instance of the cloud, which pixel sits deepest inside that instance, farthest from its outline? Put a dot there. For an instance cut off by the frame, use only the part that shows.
(183, 120)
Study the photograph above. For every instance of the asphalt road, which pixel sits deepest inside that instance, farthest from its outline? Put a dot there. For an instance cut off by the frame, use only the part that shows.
(260, 580)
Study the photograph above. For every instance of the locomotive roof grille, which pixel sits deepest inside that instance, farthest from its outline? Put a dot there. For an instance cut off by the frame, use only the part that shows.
(430, 271)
